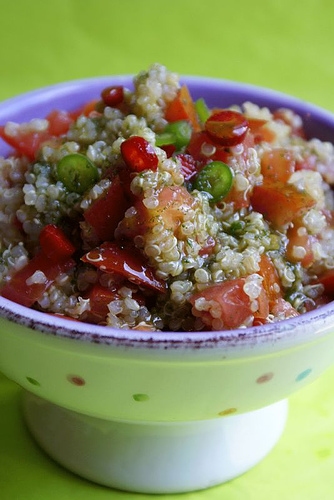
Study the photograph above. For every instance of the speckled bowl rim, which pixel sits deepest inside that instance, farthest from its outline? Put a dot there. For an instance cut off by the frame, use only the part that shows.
(293, 329)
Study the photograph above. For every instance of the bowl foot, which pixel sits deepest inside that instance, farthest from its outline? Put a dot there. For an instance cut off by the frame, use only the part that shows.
(155, 457)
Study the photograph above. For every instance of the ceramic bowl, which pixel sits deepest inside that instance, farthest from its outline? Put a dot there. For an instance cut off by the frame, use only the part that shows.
(160, 412)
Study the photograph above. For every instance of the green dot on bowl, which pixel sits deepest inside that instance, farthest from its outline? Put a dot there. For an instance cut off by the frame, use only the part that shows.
(140, 397)
(33, 381)
(303, 375)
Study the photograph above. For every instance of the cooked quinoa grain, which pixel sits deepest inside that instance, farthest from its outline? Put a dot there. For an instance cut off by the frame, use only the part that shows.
(141, 247)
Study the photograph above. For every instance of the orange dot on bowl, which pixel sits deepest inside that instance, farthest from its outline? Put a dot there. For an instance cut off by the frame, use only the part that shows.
(229, 411)
(76, 380)
(265, 378)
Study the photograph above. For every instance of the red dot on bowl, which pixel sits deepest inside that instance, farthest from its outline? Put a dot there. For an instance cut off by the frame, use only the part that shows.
(265, 378)
(229, 411)
(74, 379)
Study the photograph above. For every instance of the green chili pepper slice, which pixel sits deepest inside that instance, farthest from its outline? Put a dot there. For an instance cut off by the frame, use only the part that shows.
(202, 110)
(215, 178)
(164, 139)
(77, 173)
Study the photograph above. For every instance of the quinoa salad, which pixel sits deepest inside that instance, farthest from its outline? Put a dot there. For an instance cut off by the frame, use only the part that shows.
(147, 210)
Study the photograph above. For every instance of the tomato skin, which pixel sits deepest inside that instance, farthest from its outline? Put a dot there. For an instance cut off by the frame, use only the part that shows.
(27, 144)
(280, 203)
(282, 306)
(17, 289)
(277, 165)
(182, 108)
(110, 258)
(227, 127)
(271, 282)
(107, 211)
(305, 241)
(55, 244)
(234, 303)
(138, 154)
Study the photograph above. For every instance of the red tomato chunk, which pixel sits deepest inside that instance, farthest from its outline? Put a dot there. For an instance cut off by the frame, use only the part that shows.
(110, 258)
(280, 203)
(227, 127)
(55, 244)
(230, 304)
(26, 294)
(106, 212)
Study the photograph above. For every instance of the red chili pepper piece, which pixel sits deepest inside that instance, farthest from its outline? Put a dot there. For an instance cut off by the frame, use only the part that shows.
(112, 96)
(227, 127)
(55, 244)
(106, 212)
(138, 154)
(25, 294)
(110, 258)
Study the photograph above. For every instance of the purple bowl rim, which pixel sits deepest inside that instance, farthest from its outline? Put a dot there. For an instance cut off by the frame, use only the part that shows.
(233, 339)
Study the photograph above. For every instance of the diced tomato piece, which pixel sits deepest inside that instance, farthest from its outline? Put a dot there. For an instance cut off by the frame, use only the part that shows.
(99, 297)
(59, 122)
(280, 203)
(55, 244)
(298, 237)
(327, 279)
(277, 165)
(240, 199)
(138, 154)
(27, 144)
(110, 258)
(259, 321)
(112, 96)
(287, 116)
(169, 149)
(271, 282)
(182, 108)
(200, 142)
(227, 127)
(107, 211)
(189, 166)
(231, 304)
(208, 248)
(25, 294)
(255, 124)
(85, 110)
(174, 202)
(282, 306)
(263, 305)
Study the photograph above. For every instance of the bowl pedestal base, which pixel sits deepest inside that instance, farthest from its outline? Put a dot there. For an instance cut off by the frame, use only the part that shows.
(154, 457)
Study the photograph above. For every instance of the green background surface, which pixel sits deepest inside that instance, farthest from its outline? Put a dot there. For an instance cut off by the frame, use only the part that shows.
(283, 45)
